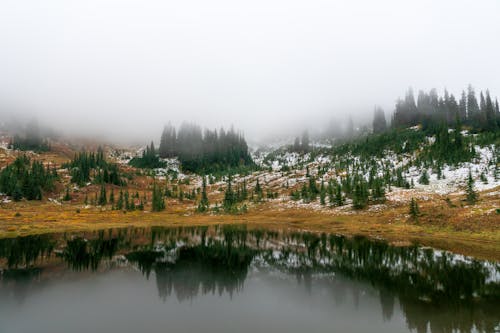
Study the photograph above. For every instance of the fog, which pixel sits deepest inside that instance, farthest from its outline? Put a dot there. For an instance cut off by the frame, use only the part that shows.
(123, 68)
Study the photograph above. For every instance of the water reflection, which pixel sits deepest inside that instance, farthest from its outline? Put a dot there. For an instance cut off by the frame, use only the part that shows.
(436, 291)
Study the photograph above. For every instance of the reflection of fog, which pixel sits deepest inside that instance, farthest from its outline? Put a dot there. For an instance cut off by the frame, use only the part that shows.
(437, 292)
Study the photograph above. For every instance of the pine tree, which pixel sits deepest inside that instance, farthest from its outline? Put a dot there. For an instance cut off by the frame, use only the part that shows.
(158, 201)
(322, 194)
(471, 194)
(126, 201)
(330, 191)
(119, 203)
(414, 209)
(424, 178)
(490, 114)
(204, 205)
(339, 199)
(379, 122)
(462, 107)
(313, 189)
(102, 196)
(258, 191)
(360, 195)
(67, 196)
(17, 193)
(296, 145)
(305, 142)
(378, 192)
(230, 197)
(244, 192)
(112, 197)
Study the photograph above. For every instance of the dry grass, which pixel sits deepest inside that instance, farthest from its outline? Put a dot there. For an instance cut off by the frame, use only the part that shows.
(440, 226)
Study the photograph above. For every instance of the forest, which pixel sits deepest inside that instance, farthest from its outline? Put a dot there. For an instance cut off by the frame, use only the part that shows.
(431, 109)
(27, 179)
(205, 151)
(88, 166)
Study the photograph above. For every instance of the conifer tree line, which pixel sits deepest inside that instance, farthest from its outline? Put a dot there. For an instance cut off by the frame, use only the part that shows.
(32, 140)
(302, 145)
(89, 166)
(204, 151)
(352, 185)
(148, 159)
(27, 179)
(429, 109)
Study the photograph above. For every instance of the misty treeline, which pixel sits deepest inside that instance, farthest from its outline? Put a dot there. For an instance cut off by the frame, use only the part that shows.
(430, 109)
(31, 140)
(302, 145)
(205, 151)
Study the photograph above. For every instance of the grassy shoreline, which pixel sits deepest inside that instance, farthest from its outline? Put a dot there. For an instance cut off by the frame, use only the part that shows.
(483, 242)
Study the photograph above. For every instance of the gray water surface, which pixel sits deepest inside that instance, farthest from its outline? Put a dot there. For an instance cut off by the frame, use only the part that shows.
(230, 279)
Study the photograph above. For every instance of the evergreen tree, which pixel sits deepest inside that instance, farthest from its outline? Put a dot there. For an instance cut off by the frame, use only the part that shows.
(296, 145)
(158, 201)
(313, 189)
(462, 107)
(414, 209)
(424, 178)
(126, 201)
(204, 205)
(339, 199)
(378, 192)
(102, 196)
(472, 106)
(490, 114)
(471, 194)
(379, 122)
(322, 194)
(305, 142)
(229, 197)
(360, 194)
(67, 196)
(119, 203)
(331, 193)
(258, 191)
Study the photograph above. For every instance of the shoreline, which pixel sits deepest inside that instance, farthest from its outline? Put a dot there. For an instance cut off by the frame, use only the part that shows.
(482, 243)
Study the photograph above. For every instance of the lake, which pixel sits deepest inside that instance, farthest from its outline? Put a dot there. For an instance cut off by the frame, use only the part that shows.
(239, 279)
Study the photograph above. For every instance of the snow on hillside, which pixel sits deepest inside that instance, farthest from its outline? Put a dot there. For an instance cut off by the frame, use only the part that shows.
(452, 180)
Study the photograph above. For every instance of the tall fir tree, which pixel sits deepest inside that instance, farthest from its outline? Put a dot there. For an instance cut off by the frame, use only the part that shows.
(204, 205)
(471, 194)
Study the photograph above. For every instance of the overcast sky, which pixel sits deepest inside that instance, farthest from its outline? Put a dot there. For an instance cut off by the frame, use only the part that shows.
(130, 66)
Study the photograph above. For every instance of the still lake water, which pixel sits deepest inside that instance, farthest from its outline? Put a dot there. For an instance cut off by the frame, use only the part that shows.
(234, 279)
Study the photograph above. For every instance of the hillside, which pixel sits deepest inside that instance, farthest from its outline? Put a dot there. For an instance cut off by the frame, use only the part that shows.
(364, 186)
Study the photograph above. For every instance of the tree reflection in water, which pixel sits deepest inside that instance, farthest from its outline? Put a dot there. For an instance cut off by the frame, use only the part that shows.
(437, 291)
